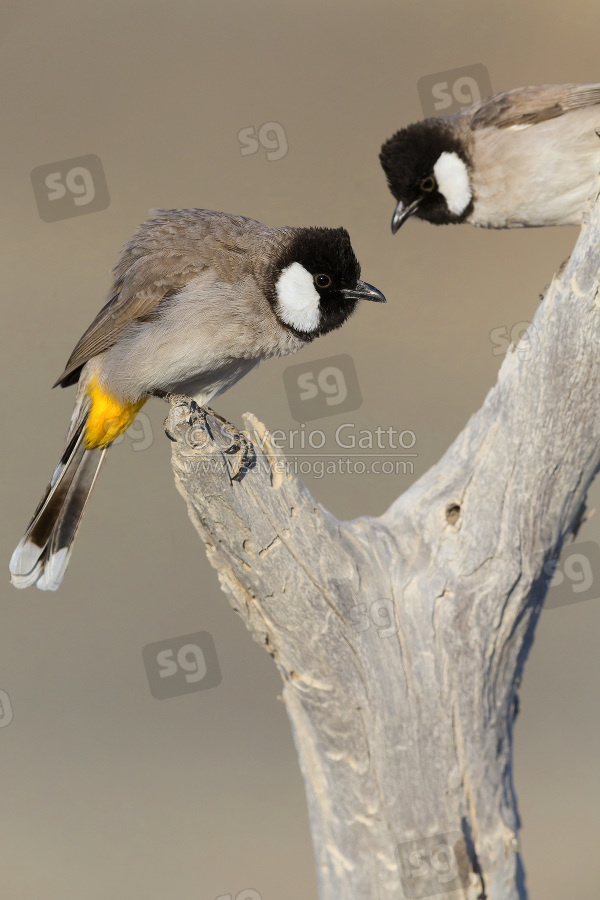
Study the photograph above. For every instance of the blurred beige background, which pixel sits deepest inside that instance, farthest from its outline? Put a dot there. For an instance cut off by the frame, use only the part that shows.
(107, 792)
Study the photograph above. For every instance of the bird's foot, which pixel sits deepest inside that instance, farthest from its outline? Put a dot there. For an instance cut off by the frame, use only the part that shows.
(233, 442)
(174, 400)
(226, 436)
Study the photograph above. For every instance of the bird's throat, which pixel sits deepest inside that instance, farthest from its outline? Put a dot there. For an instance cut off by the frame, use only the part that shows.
(108, 417)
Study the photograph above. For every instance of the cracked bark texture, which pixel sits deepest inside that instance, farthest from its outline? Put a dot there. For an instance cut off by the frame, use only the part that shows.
(401, 640)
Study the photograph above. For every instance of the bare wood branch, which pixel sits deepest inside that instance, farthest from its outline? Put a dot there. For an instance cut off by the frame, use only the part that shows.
(404, 728)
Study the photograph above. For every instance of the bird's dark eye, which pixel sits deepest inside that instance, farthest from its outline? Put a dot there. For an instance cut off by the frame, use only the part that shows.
(428, 184)
(322, 281)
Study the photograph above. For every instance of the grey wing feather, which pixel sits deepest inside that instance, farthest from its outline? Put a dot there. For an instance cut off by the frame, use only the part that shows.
(150, 280)
(163, 255)
(530, 105)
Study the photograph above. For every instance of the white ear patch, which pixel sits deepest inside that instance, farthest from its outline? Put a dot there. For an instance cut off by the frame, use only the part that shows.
(453, 181)
(298, 299)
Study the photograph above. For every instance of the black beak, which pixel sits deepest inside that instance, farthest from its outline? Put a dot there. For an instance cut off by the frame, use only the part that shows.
(402, 213)
(364, 291)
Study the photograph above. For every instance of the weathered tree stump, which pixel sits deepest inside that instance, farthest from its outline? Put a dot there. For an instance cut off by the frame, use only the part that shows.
(401, 639)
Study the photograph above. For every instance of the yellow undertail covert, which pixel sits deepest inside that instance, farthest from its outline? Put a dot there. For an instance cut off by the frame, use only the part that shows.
(108, 417)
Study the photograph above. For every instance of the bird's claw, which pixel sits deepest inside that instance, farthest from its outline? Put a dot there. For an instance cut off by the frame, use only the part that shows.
(239, 445)
(236, 445)
(174, 400)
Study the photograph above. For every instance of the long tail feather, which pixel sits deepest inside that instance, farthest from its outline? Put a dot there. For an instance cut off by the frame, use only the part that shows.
(41, 557)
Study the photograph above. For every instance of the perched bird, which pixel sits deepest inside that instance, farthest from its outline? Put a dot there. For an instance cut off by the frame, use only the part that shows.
(523, 158)
(198, 299)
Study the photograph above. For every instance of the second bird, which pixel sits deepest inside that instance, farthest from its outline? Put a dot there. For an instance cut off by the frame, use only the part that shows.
(524, 158)
(198, 299)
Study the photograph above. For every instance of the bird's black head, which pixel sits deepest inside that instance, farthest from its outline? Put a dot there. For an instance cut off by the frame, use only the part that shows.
(315, 284)
(428, 172)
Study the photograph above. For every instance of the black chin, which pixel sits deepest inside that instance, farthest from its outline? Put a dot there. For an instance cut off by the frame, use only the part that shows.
(334, 312)
(437, 213)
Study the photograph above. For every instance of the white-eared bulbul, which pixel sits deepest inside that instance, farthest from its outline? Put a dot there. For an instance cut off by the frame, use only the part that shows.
(198, 299)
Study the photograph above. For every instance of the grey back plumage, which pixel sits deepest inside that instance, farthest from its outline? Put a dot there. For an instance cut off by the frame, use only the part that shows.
(531, 105)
